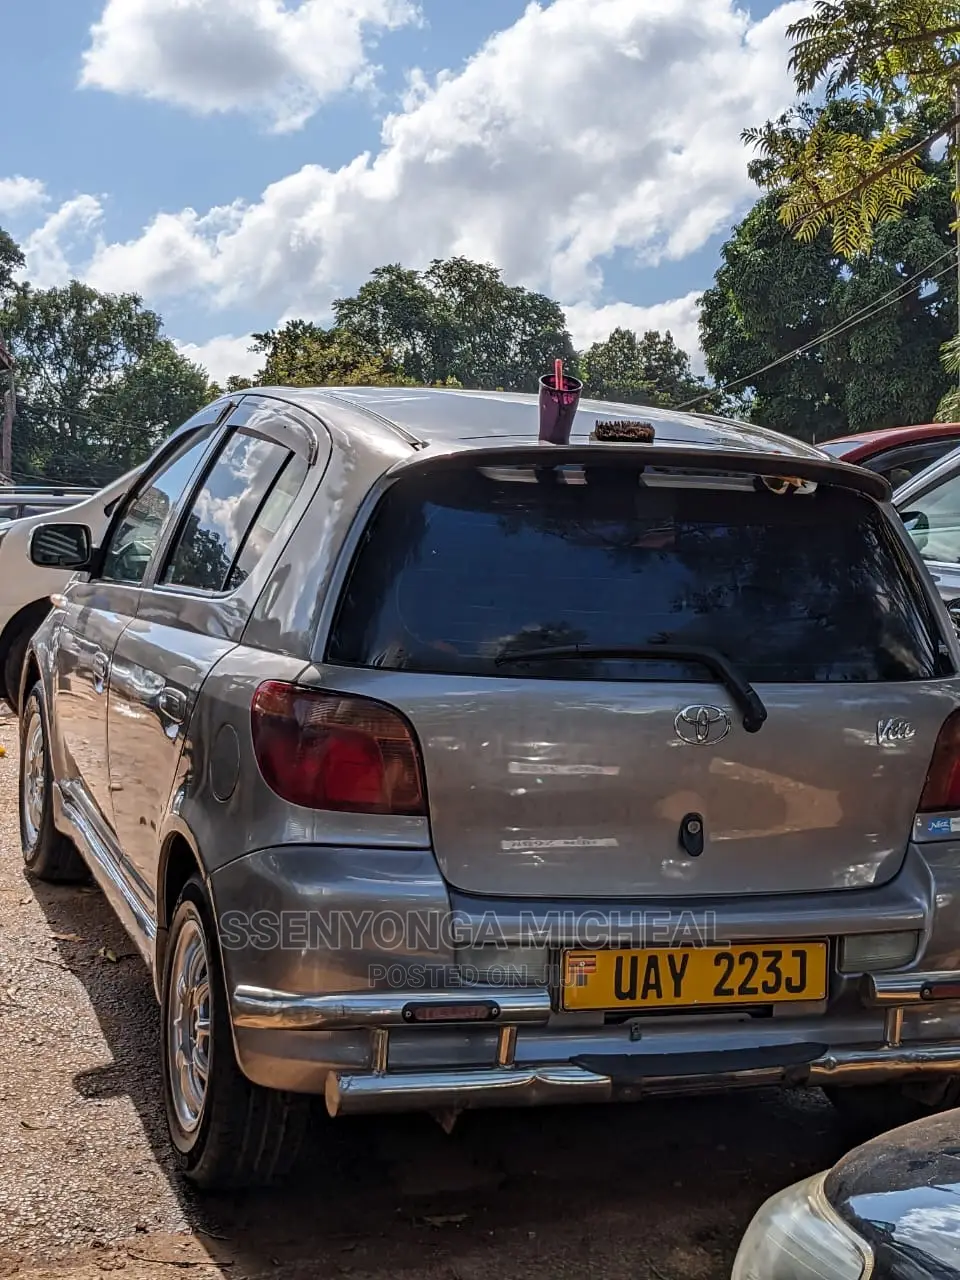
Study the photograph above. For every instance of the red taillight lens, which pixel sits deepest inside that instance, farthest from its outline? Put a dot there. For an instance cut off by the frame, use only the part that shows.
(336, 751)
(942, 787)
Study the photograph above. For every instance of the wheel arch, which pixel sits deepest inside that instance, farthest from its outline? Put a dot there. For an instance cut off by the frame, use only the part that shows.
(27, 618)
(179, 860)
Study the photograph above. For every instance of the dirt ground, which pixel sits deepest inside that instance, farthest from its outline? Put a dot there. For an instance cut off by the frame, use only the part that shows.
(657, 1190)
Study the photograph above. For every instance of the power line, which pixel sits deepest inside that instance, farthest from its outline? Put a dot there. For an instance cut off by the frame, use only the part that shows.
(896, 294)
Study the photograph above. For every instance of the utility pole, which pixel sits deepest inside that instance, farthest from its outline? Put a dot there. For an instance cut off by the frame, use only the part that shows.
(9, 410)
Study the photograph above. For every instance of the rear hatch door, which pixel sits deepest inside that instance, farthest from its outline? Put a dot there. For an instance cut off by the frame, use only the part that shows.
(517, 618)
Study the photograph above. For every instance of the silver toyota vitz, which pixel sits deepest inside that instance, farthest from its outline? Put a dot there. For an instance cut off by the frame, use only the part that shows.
(444, 750)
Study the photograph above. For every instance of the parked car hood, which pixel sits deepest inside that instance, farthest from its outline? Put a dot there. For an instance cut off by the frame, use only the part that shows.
(901, 1192)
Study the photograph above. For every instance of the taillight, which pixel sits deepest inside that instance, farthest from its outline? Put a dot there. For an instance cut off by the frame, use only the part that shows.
(942, 787)
(336, 751)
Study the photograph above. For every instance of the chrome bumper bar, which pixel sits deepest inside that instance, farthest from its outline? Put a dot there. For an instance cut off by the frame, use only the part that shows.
(282, 1011)
(261, 1008)
(890, 989)
(356, 1094)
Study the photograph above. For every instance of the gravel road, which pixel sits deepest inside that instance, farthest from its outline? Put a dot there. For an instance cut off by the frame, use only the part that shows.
(658, 1191)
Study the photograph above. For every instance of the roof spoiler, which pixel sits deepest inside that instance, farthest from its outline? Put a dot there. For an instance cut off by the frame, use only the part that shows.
(840, 474)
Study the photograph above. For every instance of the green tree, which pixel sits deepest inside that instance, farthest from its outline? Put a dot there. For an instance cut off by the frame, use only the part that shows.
(98, 384)
(650, 369)
(457, 322)
(774, 294)
(11, 261)
(901, 57)
(302, 354)
(396, 311)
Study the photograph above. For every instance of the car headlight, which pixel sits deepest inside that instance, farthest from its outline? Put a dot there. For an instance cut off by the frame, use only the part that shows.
(797, 1235)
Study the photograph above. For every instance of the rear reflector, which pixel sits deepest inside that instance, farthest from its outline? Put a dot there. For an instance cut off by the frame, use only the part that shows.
(941, 791)
(450, 1012)
(940, 991)
(336, 751)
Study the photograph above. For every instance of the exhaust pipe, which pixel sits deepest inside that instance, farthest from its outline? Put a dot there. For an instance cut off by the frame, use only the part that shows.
(559, 398)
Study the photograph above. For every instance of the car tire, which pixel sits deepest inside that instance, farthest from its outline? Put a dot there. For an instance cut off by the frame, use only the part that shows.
(47, 853)
(868, 1110)
(226, 1132)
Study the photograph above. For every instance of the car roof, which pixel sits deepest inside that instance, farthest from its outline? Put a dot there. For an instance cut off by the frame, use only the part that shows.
(446, 417)
(865, 443)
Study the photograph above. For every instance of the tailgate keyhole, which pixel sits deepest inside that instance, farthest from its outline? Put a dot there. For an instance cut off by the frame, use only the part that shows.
(691, 834)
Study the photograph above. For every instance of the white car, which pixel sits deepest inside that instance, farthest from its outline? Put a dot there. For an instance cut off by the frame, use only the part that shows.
(25, 588)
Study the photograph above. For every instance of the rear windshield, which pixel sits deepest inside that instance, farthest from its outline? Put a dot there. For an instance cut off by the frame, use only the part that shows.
(462, 567)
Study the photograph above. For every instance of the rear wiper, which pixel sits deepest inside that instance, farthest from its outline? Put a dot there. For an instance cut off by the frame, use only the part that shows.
(740, 689)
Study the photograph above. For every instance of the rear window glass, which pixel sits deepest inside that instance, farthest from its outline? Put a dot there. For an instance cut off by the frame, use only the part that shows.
(837, 448)
(461, 568)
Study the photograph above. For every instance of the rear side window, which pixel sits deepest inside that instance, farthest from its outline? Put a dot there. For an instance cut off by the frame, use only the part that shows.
(229, 506)
(459, 569)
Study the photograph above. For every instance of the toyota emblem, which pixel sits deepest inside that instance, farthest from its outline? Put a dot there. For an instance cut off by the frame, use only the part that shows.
(702, 726)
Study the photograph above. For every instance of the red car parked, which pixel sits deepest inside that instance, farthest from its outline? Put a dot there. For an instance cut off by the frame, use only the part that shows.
(898, 453)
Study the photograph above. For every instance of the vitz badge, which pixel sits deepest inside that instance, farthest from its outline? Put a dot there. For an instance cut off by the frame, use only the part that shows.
(894, 730)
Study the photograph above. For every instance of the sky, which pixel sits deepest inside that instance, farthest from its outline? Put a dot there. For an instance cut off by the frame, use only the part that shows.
(239, 163)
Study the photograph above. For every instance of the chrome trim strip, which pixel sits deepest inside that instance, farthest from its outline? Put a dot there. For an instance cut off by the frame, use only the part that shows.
(282, 1011)
(107, 873)
(358, 1094)
(883, 990)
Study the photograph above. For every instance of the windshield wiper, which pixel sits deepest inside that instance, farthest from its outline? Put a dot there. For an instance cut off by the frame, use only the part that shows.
(739, 688)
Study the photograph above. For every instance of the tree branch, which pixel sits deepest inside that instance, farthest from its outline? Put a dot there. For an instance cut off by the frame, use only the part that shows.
(889, 165)
(922, 37)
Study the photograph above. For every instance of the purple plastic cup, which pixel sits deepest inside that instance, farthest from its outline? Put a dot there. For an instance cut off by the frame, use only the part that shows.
(558, 408)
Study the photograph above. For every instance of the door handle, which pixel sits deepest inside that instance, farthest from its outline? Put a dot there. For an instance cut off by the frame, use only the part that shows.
(173, 704)
(101, 667)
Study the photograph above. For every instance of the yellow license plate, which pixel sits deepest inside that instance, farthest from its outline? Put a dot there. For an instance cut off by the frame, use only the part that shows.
(676, 977)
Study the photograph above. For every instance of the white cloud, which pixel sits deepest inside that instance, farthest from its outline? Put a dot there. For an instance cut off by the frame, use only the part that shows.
(223, 356)
(263, 56)
(587, 128)
(49, 249)
(19, 193)
(680, 316)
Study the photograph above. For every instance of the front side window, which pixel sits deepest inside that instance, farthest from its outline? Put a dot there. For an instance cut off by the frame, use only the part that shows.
(233, 501)
(933, 521)
(459, 571)
(135, 538)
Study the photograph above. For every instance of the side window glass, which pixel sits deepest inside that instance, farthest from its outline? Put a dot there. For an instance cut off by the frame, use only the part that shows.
(135, 538)
(269, 519)
(933, 522)
(900, 465)
(227, 505)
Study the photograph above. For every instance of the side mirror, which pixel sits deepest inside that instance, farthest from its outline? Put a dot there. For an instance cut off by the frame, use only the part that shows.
(61, 546)
(918, 527)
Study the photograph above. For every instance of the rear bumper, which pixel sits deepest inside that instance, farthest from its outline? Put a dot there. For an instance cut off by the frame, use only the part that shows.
(360, 1051)
(549, 1085)
(327, 1012)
